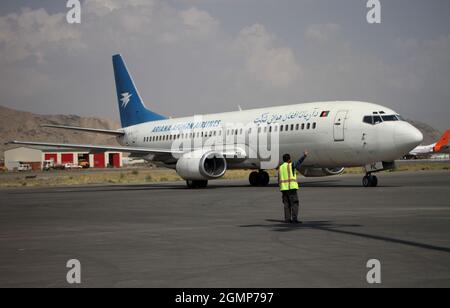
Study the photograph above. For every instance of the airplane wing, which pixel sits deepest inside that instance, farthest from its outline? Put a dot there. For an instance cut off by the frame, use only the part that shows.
(93, 148)
(88, 130)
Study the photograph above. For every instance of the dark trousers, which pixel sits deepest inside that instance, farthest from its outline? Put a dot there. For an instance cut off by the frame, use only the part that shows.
(291, 205)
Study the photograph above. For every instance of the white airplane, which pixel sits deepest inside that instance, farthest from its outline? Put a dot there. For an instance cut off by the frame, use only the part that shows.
(336, 135)
(441, 146)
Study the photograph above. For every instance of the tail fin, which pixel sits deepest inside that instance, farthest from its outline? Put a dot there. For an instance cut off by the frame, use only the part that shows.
(132, 109)
(443, 142)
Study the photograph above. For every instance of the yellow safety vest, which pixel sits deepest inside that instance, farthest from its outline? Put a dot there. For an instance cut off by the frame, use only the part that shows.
(286, 178)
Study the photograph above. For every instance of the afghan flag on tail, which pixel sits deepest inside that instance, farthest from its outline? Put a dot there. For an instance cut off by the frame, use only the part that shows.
(324, 114)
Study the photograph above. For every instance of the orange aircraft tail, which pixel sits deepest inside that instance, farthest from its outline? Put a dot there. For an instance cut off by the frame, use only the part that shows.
(443, 142)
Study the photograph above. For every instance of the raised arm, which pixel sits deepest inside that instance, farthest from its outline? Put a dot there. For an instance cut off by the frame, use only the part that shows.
(297, 164)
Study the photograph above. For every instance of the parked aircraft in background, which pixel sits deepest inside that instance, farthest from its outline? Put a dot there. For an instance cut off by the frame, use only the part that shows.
(424, 151)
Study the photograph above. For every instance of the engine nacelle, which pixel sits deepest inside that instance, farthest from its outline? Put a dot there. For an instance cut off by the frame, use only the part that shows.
(319, 172)
(201, 165)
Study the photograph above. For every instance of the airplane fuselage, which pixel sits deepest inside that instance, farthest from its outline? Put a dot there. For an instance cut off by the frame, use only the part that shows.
(334, 133)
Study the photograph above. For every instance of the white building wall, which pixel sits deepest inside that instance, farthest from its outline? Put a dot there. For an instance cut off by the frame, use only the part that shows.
(13, 156)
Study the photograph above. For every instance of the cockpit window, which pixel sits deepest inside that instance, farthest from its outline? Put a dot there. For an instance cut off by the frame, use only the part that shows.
(377, 120)
(368, 119)
(390, 118)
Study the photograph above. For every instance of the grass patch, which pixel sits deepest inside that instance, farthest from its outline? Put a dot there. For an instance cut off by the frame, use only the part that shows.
(158, 175)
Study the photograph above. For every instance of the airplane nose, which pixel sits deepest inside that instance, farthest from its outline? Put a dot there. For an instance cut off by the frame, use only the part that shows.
(407, 137)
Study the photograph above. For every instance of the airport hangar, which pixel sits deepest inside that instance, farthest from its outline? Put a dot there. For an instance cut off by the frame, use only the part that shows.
(35, 157)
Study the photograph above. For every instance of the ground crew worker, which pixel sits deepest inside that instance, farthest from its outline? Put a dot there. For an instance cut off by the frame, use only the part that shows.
(287, 180)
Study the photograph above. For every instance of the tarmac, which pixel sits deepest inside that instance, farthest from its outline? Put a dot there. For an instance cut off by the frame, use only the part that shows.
(229, 235)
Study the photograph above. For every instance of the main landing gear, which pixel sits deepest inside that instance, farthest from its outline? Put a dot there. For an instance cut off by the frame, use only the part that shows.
(196, 184)
(370, 180)
(260, 178)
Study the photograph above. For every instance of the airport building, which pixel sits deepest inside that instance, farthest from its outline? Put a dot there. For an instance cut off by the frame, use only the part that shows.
(36, 156)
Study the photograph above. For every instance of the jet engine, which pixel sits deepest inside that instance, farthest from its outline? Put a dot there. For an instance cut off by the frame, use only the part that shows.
(201, 165)
(319, 172)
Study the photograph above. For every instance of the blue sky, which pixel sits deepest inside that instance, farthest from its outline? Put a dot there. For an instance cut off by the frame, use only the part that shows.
(198, 56)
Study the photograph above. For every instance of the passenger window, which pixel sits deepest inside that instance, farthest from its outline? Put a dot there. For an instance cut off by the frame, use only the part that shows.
(292, 126)
(297, 126)
(303, 126)
(281, 128)
(314, 125)
(308, 126)
(286, 127)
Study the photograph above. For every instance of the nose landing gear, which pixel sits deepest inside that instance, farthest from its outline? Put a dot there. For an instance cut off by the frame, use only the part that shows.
(370, 180)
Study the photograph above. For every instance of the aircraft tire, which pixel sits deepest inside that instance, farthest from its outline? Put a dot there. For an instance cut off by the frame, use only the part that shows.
(264, 178)
(254, 178)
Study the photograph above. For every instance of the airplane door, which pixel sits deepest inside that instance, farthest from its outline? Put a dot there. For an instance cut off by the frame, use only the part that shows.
(339, 125)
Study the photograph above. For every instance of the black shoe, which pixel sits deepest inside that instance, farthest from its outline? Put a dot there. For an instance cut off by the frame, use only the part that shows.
(288, 221)
(296, 222)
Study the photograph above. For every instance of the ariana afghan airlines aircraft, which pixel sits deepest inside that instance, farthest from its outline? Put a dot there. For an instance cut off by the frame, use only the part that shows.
(336, 135)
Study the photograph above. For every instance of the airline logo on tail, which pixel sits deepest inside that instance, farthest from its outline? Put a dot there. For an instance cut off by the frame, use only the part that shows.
(443, 142)
(125, 99)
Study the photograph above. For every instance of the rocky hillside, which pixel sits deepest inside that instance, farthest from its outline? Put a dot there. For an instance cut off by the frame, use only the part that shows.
(19, 125)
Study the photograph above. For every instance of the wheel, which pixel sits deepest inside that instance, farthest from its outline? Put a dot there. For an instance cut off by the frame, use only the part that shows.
(196, 184)
(366, 181)
(202, 184)
(254, 178)
(370, 181)
(374, 182)
(190, 184)
(264, 178)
